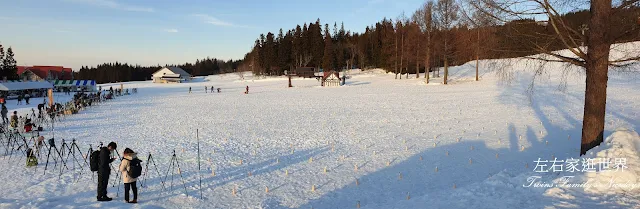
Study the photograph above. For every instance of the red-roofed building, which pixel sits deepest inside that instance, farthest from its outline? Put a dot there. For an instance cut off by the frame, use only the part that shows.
(48, 73)
(331, 78)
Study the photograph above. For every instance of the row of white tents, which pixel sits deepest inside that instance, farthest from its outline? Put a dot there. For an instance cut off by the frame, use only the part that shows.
(12, 85)
(11, 88)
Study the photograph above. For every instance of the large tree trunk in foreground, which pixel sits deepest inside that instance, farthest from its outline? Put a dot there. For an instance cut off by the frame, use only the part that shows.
(597, 67)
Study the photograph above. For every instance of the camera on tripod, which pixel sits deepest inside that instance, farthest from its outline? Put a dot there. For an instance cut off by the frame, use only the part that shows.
(52, 142)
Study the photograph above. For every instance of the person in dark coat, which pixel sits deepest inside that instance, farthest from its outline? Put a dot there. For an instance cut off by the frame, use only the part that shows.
(27, 96)
(104, 170)
(247, 92)
(4, 112)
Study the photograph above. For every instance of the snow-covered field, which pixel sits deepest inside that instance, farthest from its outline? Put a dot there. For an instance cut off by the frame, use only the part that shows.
(375, 143)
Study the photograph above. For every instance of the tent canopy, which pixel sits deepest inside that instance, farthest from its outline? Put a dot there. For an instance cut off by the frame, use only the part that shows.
(71, 83)
(16, 86)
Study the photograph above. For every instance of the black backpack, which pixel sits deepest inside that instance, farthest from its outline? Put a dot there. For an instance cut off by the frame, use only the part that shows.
(94, 160)
(135, 168)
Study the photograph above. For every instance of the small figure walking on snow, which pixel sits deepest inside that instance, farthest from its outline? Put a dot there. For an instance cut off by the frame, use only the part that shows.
(218, 90)
(211, 89)
(205, 89)
(189, 90)
(247, 92)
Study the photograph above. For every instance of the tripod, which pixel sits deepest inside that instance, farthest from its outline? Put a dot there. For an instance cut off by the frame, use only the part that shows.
(117, 174)
(146, 171)
(52, 145)
(88, 155)
(14, 141)
(72, 152)
(174, 164)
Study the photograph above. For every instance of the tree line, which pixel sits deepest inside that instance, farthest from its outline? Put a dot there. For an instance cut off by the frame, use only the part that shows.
(438, 34)
(8, 65)
(122, 72)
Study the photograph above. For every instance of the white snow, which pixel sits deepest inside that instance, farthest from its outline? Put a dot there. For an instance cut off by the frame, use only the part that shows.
(388, 135)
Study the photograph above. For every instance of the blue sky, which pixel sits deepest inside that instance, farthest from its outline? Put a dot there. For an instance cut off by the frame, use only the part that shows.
(148, 32)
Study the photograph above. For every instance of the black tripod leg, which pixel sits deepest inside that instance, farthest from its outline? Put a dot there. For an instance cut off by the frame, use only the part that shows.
(47, 163)
(146, 170)
(158, 172)
(80, 152)
(63, 163)
(180, 172)
(172, 173)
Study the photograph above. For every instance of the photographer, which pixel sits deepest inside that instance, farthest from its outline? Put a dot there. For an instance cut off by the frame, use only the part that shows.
(104, 170)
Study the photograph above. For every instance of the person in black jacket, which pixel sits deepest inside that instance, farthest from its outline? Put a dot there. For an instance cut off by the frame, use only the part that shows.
(104, 170)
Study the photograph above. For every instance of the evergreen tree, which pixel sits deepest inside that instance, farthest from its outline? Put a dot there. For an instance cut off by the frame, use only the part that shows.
(262, 55)
(270, 54)
(296, 47)
(328, 58)
(9, 65)
(317, 44)
(2, 72)
(281, 51)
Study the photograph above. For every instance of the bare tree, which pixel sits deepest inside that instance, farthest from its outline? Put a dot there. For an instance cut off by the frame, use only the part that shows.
(480, 21)
(396, 45)
(596, 60)
(427, 26)
(446, 15)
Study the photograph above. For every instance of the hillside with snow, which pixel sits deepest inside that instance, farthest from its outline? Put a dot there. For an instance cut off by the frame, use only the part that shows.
(376, 142)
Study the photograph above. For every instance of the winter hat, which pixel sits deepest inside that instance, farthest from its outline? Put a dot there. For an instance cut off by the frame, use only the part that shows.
(113, 145)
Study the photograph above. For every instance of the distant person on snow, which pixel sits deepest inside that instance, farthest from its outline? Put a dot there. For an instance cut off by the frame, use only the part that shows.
(27, 97)
(20, 99)
(205, 89)
(104, 170)
(130, 158)
(212, 89)
(218, 90)
(189, 90)
(247, 92)
(4, 112)
(14, 120)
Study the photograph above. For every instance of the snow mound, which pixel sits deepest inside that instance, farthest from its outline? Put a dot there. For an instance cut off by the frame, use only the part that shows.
(622, 145)
(604, 189)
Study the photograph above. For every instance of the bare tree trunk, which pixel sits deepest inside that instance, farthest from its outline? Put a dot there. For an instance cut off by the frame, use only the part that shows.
(417, 62)
(401, 55)
(427, 67)
(446, 70)
(396, 59)
(597, 69)
(478, 55)
(446, 59)
(434, 72)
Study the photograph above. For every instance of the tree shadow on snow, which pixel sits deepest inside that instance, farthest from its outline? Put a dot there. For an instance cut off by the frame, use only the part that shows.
(470, 168)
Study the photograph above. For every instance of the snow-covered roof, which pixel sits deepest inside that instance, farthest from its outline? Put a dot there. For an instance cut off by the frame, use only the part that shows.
(13, 86)
(175, 70)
